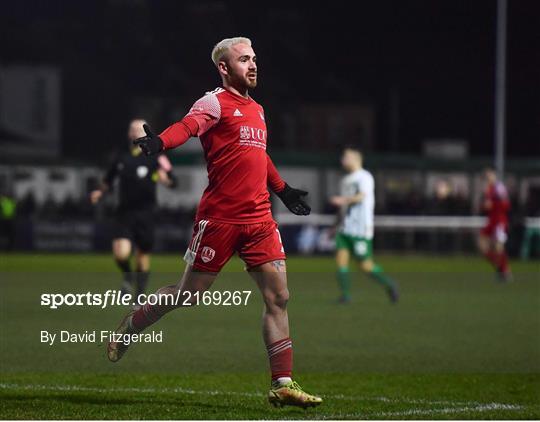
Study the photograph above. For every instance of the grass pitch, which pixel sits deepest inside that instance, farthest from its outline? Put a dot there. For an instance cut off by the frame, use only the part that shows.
(457, 346)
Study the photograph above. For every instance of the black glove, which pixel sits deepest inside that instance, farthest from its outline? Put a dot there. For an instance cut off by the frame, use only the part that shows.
(293, 200)
(149, 144)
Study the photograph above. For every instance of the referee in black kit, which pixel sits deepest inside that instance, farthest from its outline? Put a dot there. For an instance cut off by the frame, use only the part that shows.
(138, 176)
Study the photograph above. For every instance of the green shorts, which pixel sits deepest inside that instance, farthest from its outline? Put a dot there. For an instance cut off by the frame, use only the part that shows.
(360, 247)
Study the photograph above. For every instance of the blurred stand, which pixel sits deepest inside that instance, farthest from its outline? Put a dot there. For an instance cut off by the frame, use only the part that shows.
(426, 210)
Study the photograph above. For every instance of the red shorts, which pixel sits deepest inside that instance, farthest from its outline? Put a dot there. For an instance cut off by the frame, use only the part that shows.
(496, 231)
(213, 244)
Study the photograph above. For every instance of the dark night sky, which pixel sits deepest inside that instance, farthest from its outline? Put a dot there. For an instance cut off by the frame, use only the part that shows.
(436, 56)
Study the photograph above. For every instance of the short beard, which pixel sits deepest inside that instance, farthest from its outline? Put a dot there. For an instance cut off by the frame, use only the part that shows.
(242, 83)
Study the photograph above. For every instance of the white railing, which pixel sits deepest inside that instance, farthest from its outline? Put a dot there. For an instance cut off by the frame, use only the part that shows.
(402, 221)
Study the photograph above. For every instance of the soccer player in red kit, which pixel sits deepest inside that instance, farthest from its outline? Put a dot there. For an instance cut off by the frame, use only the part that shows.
(234, 213)
(493, 236)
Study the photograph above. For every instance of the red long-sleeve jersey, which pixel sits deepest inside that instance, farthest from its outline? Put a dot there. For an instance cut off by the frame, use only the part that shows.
(496, 196)
(233, 135)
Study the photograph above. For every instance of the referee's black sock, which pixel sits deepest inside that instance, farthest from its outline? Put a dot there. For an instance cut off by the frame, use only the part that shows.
(127, 284)
(141, 278)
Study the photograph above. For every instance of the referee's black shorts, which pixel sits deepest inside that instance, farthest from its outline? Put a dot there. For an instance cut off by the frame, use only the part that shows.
(137, 226)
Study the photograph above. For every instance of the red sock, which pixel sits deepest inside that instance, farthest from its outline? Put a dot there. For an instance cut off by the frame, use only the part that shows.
(145, 316)
(280, 354)
(502, 262)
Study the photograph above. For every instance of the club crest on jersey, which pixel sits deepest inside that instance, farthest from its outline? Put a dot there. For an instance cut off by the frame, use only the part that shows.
(245, 133)
(254, 137)
(207, 254)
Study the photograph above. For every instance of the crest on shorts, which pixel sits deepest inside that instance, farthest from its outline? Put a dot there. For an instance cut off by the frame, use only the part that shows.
(207, 254)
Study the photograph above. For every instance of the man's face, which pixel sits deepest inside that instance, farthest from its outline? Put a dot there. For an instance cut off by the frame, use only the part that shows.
(350, 160)
(442, 190)
(136, 130)
(239, 66)
(490, 176)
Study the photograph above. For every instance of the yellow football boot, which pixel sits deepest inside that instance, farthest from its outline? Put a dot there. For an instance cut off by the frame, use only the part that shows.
(291, 394)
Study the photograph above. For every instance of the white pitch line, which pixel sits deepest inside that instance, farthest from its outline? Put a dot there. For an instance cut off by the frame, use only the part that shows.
(424, 412)
(464, 406)
(479, 408)
(77, 388)
(404, 400)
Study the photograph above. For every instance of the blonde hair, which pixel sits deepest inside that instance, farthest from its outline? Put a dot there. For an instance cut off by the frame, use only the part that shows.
(222, 47)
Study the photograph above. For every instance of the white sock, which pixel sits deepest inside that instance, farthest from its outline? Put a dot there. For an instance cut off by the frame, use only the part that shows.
(283, 380)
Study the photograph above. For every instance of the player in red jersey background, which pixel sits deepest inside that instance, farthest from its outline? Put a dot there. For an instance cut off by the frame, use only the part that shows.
(493, 236)
(234, 214)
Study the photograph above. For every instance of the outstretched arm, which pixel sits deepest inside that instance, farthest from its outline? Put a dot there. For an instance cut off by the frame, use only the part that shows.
(202, 116)
(172, 137)
(178, 133)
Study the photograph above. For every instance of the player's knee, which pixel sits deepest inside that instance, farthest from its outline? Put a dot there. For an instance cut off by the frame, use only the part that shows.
(482, 244)
(366, 265)
(143, 263)
(279, 299)
(121, 253)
